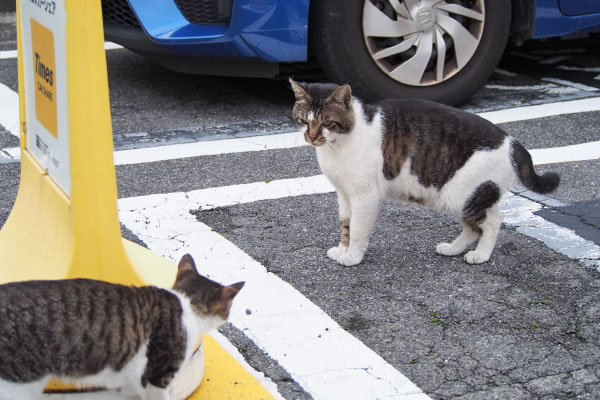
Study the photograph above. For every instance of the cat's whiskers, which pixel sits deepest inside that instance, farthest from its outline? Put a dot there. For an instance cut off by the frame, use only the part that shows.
(332, 147)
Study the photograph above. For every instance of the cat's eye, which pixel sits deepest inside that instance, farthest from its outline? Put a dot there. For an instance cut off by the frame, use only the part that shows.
(301, 121)
(329, 124)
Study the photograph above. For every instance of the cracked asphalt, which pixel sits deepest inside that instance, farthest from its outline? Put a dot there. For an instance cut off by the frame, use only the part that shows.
(524, 325)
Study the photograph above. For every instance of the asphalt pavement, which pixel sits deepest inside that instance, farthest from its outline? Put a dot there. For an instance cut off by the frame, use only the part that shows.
(525, 325)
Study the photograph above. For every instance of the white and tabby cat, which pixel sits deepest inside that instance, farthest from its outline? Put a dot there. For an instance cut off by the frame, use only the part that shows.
(413, 150)
(102, 334)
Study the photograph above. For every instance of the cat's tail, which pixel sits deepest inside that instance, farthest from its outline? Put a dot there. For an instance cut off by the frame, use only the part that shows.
(523, 166)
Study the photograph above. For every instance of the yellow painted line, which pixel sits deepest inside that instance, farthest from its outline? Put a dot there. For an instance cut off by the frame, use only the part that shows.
(225, 378)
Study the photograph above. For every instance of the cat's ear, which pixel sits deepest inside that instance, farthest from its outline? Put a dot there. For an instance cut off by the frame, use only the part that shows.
(342, 95)
(185, 264)
(229, 292)
(299, 91)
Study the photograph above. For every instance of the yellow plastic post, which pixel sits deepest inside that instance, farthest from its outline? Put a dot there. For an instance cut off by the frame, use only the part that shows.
(64, 223)
(51, 233)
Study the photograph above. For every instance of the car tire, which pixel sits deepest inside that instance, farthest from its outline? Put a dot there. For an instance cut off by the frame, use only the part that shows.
(344, 38)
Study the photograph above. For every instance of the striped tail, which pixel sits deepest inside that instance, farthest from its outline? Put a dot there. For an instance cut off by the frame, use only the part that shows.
(523, 166)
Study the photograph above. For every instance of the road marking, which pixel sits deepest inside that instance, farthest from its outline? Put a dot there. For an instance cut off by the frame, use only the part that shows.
(208, 148)
(518, 210)
(553, 155)
(9, 110)
(576, 152)
(542, 110)
(577, 86)
(325, 360)
(294, 139)
(7, 54)
(518, 213)
(328, 362)
(547, 88)
(9, 118)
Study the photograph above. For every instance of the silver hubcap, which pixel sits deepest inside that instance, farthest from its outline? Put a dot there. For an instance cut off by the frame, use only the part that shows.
(422, 42)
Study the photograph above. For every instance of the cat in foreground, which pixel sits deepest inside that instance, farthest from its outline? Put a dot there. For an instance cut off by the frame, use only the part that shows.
(412, 150)
(98, 333)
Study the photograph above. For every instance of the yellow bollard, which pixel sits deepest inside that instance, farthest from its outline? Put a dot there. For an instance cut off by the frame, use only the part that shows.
(64, 223)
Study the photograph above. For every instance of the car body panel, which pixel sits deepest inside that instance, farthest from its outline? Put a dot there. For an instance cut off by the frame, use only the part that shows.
(551, 21)
(273, 30)
(276, 29)
(580, 7)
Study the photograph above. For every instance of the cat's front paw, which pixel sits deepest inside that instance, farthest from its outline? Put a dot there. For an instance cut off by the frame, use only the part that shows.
(475, 257)
(335, 252)
(446, 249)
(348, 259)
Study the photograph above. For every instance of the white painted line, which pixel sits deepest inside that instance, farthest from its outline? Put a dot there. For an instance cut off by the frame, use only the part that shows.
(542, 110)
(577, 86)
(572, 153)
(518, 213)
(547, 88)
(197, 149)
(10, 154)
(294, 139)
(9, 118)
(9, 110)
(9, 54)
(585, 69)
(112, 46)
(328, 362)
(576, 152)
(573, 68)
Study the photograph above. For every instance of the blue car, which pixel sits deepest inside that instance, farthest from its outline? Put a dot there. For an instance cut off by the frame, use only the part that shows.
(443, 50)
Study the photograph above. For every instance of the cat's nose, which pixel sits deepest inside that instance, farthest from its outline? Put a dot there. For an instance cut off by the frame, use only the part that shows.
(310, 138)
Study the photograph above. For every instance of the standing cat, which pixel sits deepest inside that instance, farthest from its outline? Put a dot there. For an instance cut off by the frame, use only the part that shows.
(99, 333)
(415, 150)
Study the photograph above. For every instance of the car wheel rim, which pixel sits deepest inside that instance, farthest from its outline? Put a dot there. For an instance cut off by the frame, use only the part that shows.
(422, 42)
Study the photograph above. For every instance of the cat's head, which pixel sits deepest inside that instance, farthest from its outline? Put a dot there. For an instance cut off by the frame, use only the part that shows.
(208, 298)
(323, 111)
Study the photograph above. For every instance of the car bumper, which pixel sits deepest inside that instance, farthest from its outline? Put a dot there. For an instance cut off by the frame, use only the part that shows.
(269, 30)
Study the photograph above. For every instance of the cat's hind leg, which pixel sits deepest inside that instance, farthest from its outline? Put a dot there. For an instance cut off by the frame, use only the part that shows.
(344, 211)
(490, 228)
(467, 237)
(481, 211)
